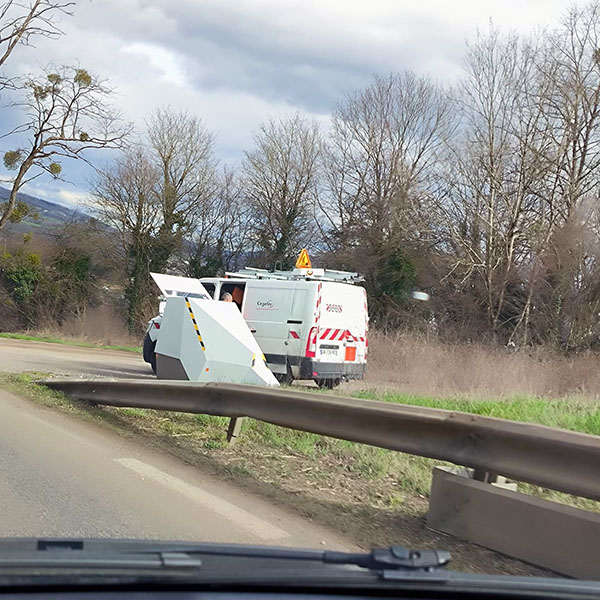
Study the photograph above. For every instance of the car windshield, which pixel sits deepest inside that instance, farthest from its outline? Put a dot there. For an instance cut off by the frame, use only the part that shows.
(313, 275)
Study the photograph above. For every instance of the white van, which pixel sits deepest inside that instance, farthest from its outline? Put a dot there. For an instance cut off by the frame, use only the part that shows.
(309, 323)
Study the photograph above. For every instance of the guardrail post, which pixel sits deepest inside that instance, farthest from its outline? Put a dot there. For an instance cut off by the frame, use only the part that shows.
(485, 476)
(233, 431)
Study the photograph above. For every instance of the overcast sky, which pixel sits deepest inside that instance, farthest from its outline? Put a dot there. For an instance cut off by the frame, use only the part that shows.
(235, 62)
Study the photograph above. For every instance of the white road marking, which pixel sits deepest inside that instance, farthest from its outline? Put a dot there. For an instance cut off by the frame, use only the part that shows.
(232, 513)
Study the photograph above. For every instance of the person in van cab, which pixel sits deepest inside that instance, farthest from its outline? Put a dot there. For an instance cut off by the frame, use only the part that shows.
(226, 297)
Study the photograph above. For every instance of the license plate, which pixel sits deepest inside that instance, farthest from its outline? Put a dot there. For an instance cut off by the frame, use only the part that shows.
(328, 352)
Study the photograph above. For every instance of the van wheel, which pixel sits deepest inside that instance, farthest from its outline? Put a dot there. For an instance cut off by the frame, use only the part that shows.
(284, 378)
(328, 384)
(148, 351)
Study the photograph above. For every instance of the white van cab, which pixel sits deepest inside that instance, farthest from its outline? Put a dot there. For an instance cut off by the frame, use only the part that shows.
(309, 323)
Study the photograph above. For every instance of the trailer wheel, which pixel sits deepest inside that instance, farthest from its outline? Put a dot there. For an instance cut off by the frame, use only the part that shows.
(149, 356)
(328, 384)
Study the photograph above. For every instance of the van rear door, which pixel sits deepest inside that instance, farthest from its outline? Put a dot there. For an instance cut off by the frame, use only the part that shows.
(342, 324)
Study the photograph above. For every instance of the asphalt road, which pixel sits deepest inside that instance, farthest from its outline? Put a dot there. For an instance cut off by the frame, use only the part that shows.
(63, 477)
(17, 356)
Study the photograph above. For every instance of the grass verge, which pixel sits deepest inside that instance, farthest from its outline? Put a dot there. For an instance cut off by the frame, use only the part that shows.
(375, 496)
(574, 413)
(67, 342)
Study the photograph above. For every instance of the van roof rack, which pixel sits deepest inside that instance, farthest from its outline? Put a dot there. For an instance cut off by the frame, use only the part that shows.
(298, 275)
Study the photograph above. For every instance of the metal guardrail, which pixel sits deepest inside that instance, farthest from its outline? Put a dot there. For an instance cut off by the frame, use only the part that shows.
(552, 458)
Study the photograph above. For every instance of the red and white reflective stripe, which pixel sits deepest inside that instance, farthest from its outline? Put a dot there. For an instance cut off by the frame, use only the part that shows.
(333, 334)
(295, 335)
(316, 327)
(355, 338)
(318, 307)
(339, 335)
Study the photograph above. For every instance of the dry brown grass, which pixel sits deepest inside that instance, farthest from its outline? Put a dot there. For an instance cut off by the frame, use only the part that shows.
(101, 325)
(413, 364)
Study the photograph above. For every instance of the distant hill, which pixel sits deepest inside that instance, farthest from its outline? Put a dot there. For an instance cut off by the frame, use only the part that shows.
(43, 214)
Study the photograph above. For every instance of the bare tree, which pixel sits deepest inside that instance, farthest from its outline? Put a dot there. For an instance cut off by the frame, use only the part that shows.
(67, 116)
(222, 237)
(572, 108)
(183, 151)
(280, 183)
(567, 291)
(379, 163)
(155, 195)
(495, 173)
(21, 23)
(572, 115)
(519, 175)
(126, 198)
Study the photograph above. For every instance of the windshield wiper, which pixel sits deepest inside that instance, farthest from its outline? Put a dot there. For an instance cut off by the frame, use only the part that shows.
(58, 554)
(232, 566)
(395, 557)
(94, 560)
(167, 555)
